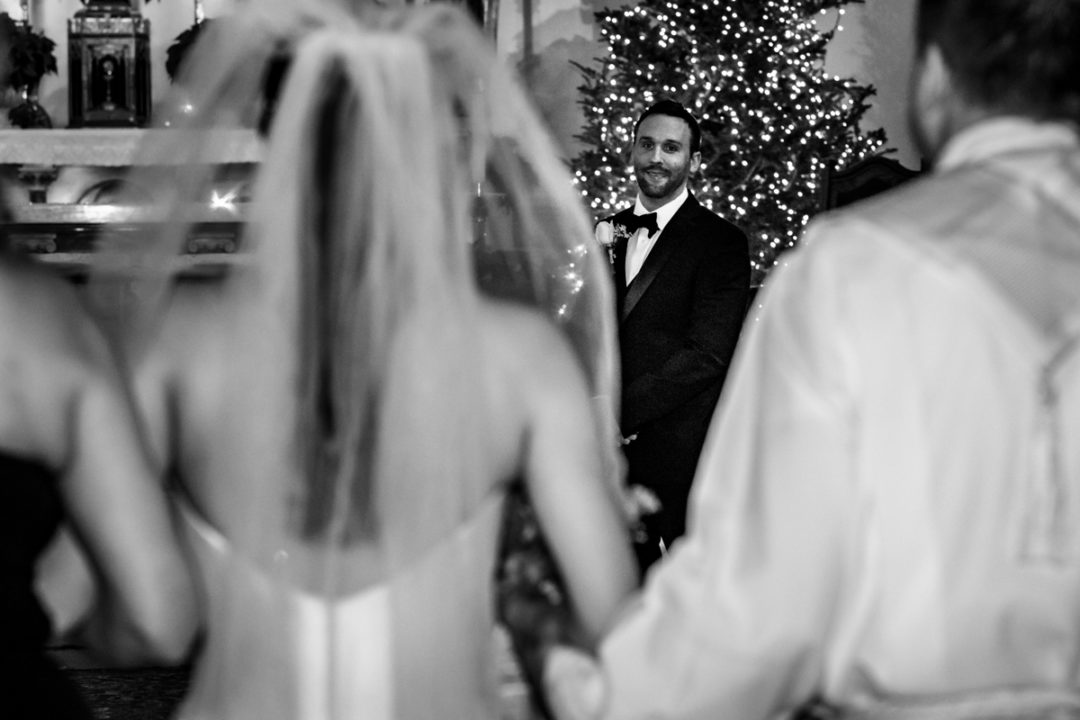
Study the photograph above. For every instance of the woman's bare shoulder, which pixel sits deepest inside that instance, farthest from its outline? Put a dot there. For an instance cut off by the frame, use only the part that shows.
(525, 339)
(48, 317)
(527, 325)
(52, 354)
(191, 323)
(195, 307)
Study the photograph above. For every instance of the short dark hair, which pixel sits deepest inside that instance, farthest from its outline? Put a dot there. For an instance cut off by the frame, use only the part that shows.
(675, 110)
(1017, 56)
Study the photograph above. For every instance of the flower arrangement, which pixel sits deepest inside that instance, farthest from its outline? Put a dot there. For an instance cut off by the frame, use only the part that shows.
(181, 45)
(31, 54)
(531, 599)
(608, 233)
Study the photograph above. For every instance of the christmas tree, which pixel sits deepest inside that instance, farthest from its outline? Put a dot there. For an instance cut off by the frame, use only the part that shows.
(752, 72)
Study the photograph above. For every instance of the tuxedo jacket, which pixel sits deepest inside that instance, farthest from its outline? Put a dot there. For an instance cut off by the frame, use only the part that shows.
(679, 320)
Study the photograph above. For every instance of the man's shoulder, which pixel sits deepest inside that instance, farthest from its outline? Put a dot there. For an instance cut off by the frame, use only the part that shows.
(916, 211)
(709, 220)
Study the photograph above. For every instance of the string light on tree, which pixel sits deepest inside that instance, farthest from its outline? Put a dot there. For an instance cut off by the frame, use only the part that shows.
(753, 73)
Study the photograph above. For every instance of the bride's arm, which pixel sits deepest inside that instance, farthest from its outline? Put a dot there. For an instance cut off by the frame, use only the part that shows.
(579, 515)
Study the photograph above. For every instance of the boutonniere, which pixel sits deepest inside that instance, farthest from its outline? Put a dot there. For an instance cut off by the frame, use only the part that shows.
(608, 233)
(638, 501)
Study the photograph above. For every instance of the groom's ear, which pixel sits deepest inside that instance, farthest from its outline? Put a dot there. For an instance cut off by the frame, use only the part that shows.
(695, 161)
(933, 100)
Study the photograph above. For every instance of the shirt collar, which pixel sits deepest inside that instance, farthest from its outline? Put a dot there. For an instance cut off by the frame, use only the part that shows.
(665, 212)
(1003, 136)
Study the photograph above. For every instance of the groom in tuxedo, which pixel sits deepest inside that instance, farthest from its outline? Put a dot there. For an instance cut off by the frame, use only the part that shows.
(682, 277)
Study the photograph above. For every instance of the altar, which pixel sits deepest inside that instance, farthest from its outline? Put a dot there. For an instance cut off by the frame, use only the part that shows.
(62, 187)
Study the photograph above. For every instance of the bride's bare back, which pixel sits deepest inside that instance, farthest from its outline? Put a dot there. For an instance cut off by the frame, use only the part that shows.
(533, 421)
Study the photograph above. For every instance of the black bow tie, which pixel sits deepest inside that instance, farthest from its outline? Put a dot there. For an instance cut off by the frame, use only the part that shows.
(636, 222)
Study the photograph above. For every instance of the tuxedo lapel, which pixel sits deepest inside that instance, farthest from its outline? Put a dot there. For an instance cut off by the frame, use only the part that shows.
(618, 266)
(641, 282)
(658, 256)
(618, 270)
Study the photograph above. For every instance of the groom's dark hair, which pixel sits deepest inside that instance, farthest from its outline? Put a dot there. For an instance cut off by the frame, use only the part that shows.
(675, 110)
(1016, 56)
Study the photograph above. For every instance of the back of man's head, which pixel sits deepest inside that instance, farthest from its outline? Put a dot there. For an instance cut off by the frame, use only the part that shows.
(1009, 56)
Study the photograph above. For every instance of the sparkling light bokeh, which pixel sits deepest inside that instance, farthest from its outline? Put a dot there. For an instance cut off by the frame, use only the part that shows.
(773, 121)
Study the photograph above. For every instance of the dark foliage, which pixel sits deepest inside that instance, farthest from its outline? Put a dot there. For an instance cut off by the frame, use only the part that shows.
(31, 54)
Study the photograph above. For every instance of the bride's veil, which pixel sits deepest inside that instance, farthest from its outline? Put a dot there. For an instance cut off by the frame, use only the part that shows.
(404, 177)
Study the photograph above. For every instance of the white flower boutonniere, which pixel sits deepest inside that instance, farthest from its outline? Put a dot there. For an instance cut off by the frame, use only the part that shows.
(638, 501)
(607, 234)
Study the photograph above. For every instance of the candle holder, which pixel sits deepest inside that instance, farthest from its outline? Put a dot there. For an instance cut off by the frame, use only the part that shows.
(109, 66)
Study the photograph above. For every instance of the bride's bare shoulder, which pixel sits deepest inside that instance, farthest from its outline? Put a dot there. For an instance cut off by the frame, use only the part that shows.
(192, 324)
(526, 339)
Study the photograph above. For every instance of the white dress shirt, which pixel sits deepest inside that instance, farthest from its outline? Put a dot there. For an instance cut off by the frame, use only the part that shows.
(641, 243)
(877, 514)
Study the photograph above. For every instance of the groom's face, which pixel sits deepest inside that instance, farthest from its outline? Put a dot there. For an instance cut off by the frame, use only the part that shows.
(662, 158)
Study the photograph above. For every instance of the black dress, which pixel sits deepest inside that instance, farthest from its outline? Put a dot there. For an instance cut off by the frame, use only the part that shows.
(31, 686)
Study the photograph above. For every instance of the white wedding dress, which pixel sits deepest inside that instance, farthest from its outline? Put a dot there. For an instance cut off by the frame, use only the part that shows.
(395, 652)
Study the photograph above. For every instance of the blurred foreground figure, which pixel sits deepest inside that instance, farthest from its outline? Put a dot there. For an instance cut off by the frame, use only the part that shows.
(887, 512)
(71, 458)
(87, 547)
(416, 320)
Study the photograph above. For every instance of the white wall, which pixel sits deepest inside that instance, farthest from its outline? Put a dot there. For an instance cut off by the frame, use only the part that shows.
(563, 30)
(874, 47)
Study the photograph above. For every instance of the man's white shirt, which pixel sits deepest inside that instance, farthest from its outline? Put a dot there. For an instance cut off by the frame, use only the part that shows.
(641, 243)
